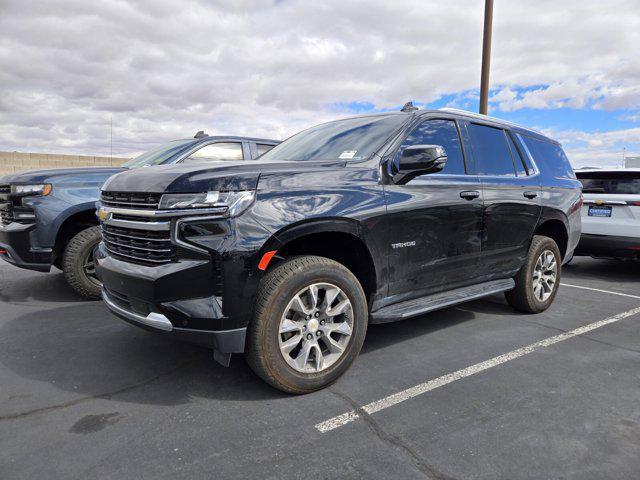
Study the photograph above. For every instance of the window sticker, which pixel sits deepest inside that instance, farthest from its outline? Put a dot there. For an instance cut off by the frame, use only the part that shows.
(347, 154)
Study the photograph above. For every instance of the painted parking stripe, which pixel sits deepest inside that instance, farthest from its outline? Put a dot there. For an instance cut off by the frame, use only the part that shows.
(599, 290)
(425, 387)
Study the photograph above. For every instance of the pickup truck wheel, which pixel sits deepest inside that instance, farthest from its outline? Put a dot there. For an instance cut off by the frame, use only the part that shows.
(538, 280)
(309, 324)
(78, 264)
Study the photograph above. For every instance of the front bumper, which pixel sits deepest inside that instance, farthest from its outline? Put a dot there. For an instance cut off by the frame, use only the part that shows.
(608, 246)
(15, 242)
(224, 341)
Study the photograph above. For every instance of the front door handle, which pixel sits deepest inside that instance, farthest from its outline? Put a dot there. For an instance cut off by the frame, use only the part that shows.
(530, 194)
(469, 194)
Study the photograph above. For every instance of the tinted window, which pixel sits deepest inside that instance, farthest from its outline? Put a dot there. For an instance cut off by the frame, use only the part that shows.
(611, 182)
(164, 154)
(218, 151)
(443, 133)
(521, 171)
(526, 155)
(491, 150)
(549, 156)
(262, 148)
(351, 139)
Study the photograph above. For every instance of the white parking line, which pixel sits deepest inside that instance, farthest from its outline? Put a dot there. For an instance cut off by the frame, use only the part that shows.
(425, 387)
(599, 290)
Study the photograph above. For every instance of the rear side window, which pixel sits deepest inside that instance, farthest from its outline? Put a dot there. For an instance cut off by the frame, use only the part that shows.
(491, 150)
(521, 171)
(611, 182)
(263, 148)
(215, 152)
(443, 133)
(550, 156)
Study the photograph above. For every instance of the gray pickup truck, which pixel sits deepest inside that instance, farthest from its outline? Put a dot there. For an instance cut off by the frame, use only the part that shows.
(47, 217)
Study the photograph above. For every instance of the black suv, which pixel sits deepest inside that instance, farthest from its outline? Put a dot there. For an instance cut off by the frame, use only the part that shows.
(363, 220)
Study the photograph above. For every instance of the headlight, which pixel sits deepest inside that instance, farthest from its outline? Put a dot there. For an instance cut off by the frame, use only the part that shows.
(39, 189)
(230, 203)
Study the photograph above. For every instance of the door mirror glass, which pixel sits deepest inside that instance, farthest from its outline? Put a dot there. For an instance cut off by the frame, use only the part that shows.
(421, 159)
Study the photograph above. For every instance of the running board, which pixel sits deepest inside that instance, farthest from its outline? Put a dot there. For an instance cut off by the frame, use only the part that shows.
(418, 306)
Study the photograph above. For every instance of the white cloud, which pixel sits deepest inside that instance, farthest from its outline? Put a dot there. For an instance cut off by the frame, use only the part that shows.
(167, 68)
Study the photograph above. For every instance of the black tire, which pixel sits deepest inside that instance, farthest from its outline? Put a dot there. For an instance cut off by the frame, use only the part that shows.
(522, 297)
(277, 289)
(76, 253)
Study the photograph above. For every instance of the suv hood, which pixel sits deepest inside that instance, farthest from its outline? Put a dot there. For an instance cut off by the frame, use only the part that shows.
(50, 175)
(209, 176)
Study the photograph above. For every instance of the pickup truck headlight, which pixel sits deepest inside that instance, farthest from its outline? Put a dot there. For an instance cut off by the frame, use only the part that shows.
(230, 203)
(37, 189)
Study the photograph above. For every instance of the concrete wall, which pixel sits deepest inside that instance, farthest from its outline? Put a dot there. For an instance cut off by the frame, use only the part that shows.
(11, 162)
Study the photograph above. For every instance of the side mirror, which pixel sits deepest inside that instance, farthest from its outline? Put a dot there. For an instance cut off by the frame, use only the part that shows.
(422, 159)
(419, 160)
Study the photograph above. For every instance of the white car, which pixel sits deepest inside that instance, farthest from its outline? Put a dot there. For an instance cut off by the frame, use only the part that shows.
(610, 213)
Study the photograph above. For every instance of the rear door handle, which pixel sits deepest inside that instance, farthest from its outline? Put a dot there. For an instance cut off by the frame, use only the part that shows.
(530, 194)
(469, 194)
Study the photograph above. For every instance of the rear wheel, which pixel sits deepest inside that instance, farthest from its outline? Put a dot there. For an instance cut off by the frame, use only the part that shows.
(78, 263)
(538, 280)
(309, 324)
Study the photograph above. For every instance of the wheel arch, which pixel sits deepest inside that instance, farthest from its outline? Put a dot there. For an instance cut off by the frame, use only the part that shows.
(555, 225)
(75, 221)
(341, 240)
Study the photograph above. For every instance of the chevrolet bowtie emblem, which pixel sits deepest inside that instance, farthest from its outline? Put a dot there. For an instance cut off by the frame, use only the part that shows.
(599, 202)
(102, 215)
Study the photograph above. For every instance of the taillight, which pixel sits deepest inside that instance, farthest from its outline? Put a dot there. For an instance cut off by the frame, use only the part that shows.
(634, 204)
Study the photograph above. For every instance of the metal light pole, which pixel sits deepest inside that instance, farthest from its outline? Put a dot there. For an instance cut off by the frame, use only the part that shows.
(486, 56)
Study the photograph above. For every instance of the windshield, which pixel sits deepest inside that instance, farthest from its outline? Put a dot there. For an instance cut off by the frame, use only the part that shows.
(159, 155)
(350, 139)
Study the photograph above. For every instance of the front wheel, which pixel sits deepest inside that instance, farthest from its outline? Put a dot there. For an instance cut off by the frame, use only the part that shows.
(78, 263)
(538, 280)
(309, 324)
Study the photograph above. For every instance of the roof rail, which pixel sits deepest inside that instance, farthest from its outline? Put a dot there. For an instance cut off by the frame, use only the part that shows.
(487, 117)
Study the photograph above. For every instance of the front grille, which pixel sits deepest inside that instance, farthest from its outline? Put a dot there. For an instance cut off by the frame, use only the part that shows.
(5, 189)
(135, 200)
(6, 214)
(143, 246)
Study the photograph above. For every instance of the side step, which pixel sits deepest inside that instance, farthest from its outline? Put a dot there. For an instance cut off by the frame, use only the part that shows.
(418, 306)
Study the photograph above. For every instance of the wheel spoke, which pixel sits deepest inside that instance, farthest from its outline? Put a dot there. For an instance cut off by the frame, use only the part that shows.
(290, 344)
(343, 328)
(319, 357)
(339, 308)
(330, 297)
(287, 326)
(298, 305)
(313, 295)
(303, 356)
(332, 344)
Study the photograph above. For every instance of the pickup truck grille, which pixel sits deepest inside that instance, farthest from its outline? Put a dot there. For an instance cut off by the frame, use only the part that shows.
(135, 200)
(6, 214)
(6, 205)
(143, 246)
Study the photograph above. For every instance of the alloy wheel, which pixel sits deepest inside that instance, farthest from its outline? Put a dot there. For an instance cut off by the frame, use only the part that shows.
(545, 274)
(315, 328)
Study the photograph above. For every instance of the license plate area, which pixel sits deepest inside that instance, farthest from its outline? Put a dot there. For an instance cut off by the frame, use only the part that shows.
(600, 211)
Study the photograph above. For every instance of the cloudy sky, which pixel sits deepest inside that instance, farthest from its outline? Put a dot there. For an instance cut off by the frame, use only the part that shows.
(164, 69)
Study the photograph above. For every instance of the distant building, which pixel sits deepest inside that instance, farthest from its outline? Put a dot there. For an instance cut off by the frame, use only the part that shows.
(632, 162)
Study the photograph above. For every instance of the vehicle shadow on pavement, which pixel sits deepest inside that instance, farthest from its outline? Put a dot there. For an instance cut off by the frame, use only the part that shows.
(15, 287)
(85, 350)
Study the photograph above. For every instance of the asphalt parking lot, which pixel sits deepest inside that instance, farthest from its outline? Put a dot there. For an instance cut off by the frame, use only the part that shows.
(84, 395)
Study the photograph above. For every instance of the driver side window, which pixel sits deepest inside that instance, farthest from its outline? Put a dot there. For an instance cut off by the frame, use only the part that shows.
(443, 133)
(215, 152)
